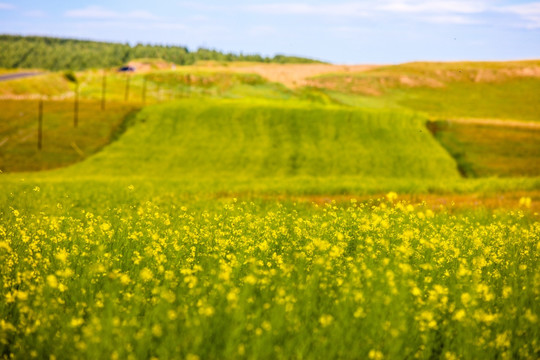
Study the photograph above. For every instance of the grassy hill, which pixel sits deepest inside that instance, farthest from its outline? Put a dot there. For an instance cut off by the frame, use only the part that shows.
(213, 139)
(256, 148)
(502, 90)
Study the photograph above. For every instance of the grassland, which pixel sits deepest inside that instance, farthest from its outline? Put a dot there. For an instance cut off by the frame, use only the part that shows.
(62, 143)
(210, 229)
(212, 139)
(483, 150)
(505, 90)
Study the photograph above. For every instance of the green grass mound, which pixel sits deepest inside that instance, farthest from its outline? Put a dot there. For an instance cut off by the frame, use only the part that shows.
(232, 139)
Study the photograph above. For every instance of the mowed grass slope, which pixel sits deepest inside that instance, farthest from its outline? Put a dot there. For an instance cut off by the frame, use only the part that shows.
(235, 139)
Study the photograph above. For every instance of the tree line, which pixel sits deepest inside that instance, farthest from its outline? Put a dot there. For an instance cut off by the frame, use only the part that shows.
(71, 54)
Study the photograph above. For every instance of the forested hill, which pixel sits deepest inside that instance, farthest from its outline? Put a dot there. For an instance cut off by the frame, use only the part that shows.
(60, 54)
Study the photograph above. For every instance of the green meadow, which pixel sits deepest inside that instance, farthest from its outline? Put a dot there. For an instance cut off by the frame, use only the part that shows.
(224, 216)
(500, 90)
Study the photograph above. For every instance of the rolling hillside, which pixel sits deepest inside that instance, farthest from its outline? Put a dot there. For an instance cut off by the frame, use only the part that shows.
(502, 90)
(232, 139)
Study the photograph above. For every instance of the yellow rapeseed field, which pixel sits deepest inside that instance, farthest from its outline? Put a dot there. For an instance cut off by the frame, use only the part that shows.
(379, 280)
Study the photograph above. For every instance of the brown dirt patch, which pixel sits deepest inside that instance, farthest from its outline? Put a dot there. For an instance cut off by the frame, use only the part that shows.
(453, 202)
(498, 122)
(291, 75)
(148, 66)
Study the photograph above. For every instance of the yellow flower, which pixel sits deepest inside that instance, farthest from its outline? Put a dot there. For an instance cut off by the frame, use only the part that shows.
(62, 255)
(76, 322)
(124, 279)
(326, 320)
(52, 281)
(157, 331)
(359, 313)
(502, 340)
(391, 196)
(146, 274)
(459, 315)
(465, 298)
(4, 245)
(375, 355)
(532, 318)
(172, 315)
(22, 295)
(525, 202)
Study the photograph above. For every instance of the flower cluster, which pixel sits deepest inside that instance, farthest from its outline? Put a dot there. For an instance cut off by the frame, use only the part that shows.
(382, 279)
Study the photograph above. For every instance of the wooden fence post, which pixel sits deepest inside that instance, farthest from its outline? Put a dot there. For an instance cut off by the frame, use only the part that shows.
(103, 90)
(127, 88)
(144, 91)
(76, 106)
(40, 124)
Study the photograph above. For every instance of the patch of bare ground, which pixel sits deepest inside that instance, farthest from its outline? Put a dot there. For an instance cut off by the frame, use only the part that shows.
(510, 200)
(293, 75)
(499, 122)
(142, 66)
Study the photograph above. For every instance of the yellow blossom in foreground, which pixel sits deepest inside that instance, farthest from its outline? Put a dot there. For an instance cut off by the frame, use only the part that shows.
(525, 202)
(157, 331)
(391, 196)
(76, 322)
(146, 274)
(52, 281)
(459, 315)
(375, 355)
(325, 320)
(251, 280)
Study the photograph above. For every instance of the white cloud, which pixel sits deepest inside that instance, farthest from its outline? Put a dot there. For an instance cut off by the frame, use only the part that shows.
(344, 9)
(366, 8)
(6, 6)
(529, 13)
(101, 13)
(451, 19)
(200, 7)
(434, 6)
(434, 11)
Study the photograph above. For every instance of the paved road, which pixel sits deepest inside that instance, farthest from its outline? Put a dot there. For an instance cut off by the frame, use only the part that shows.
(19, 75)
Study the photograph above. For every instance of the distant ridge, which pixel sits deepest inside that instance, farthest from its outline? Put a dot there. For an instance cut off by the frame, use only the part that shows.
(71, 54)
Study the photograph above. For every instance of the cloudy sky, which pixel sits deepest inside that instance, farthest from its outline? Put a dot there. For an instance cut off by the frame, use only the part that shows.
(364, 31)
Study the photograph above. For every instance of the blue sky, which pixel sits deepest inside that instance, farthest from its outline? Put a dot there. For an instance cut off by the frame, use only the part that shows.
(383, 31)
